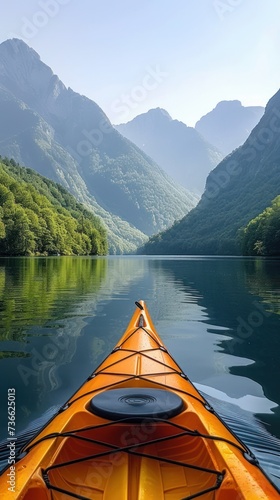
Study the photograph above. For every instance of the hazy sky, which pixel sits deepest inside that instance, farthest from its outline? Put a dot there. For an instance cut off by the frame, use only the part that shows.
(132, 55)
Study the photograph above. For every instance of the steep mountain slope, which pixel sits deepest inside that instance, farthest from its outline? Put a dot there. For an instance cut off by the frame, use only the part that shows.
(237, 190)
(178, 149)
(229, 124)
(68, 138)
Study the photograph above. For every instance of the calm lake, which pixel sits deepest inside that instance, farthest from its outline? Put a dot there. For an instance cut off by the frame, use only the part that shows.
(219, 317)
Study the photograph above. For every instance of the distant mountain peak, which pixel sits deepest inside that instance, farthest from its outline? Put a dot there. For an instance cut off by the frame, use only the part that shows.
(228, 125)
(154, 114)
(159, 112)
(180, 150)
(22, 72)
(16, 44)
(233, 103)
(17, 48)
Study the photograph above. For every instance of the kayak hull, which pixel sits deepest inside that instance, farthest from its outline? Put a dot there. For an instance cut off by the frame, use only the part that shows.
(137, 429)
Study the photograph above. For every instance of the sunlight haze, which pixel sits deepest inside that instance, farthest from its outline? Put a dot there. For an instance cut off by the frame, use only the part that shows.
(130, 56)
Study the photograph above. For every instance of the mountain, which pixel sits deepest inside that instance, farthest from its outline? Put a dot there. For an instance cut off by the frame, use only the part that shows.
(229, 124)
(67, 137)
(180, 150)
(39, 217)
(237, 190)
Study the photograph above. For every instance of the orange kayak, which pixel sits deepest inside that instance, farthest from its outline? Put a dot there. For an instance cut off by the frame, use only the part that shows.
(137, 429)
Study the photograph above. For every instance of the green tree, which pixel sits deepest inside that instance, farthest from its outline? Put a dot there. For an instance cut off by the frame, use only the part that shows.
(261, 236)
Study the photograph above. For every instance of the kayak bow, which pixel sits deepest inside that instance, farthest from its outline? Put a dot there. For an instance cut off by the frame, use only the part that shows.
(137, 429)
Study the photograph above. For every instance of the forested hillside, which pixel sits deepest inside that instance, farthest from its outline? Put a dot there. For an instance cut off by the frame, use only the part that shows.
(39, 217)
(262, 235)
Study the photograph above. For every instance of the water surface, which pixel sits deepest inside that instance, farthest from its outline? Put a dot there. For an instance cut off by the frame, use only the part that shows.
(219, 317)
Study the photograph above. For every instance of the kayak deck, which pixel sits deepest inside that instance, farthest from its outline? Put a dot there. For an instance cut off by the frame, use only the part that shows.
(137, 472)
(151, 447)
